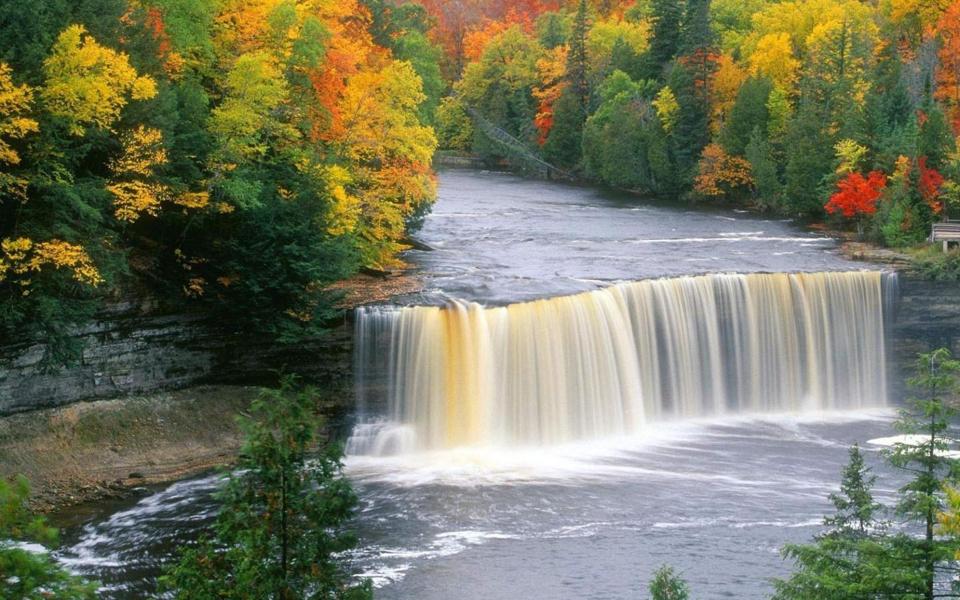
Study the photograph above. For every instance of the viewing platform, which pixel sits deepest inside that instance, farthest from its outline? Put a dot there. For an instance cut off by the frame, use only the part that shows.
(946, 232)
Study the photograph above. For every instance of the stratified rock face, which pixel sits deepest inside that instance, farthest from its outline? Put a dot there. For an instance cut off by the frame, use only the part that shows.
(927, 317)
(133, 350)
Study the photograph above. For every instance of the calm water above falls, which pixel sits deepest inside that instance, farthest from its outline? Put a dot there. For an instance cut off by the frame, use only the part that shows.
(500, 238)
(570, 503)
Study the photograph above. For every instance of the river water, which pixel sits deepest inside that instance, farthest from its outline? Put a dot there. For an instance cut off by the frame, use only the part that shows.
(715, 497)
(498, 238)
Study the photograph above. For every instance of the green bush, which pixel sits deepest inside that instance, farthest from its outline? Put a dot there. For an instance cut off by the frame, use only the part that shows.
(935, 265)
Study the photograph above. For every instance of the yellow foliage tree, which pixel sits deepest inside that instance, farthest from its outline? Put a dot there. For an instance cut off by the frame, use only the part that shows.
(915, 18)
(551, 70)
(344, 213)
(255, 87)
(774, 58)
(849, 155)
(798, 19)
(841, 50)
(604, 35)
(949, 518)
(134, 187)
(88, 84)
(726, 82)
(390, 153)
(22, 256)
(667, 107)
(15, 124)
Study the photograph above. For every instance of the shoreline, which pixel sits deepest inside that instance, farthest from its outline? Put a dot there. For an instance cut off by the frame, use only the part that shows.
(107, 449)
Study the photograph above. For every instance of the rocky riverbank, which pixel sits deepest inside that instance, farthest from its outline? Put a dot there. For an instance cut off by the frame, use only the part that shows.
(154, 395)
(109, 448)
(94, 450)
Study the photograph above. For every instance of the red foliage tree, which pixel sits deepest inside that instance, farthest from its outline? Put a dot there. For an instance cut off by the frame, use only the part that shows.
(857, 196)
(929, 182)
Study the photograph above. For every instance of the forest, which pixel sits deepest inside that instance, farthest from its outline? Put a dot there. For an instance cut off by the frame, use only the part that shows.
(235, 155)
(241, 159)
(808, 108)
(241, 156)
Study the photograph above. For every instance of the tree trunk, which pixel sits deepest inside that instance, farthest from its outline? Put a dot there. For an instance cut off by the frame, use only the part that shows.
(285, 589)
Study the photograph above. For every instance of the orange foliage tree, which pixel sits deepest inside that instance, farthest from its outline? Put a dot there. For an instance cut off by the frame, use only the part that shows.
(948, 71)
(721, 174)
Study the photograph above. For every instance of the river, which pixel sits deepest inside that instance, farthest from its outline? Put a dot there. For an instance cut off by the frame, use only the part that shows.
(712, 483)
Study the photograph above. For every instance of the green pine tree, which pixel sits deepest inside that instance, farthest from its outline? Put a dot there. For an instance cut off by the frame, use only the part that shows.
(24, 573)
(665, 17)
(763, 167)
(282, 517)
(858, 557)
(748, 113)
(809, 149)
(564, 145)
(696, 33)
(577, 80)
(667, 585)
(843, 562)
(925, 457)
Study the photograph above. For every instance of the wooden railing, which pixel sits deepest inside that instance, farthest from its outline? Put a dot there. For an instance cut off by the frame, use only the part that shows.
(946, 232)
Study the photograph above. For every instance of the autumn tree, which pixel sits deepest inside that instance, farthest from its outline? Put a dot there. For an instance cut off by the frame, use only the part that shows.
(15, 124)
(200, 148)
(389, 152)
(135, 188)
(948, 69)
(500, 87)
(720, 174)
(59, 251)
(856, 197)
(551, 70)
(773, 58)
(88, 84)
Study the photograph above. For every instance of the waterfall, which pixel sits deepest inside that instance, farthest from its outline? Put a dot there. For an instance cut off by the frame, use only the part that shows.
(608, 362)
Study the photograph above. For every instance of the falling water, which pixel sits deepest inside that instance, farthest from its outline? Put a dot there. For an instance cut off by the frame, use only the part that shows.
(607, 362)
